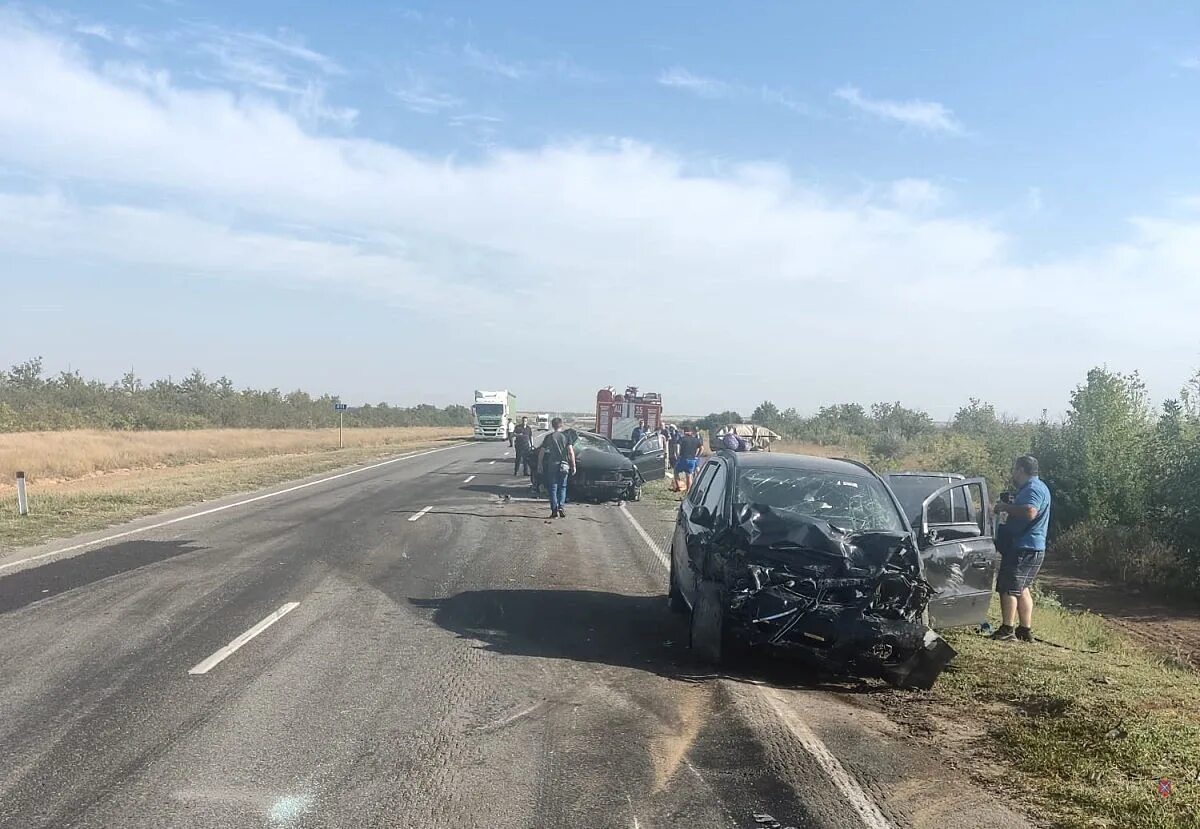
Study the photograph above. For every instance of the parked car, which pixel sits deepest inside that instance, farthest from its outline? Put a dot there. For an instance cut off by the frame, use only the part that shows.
(785, 553)
(603, 472)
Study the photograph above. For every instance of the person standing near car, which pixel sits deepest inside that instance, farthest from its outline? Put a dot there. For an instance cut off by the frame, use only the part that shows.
(556, 459)
(510, 429)
(639, 432)
(1021, 541)
(523, 443)
(690, 447)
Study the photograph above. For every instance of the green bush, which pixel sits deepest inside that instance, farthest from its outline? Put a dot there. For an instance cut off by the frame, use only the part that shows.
(1130, 555)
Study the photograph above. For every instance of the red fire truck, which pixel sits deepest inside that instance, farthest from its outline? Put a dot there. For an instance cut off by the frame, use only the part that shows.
(617, 415)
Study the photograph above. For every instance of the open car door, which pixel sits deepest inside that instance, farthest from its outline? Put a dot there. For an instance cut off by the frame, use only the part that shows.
(650, 457)
(958, 552)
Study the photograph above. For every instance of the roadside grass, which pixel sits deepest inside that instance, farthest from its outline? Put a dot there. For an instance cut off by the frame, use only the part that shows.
(1090, 727)
(75, 453)
(64, 508)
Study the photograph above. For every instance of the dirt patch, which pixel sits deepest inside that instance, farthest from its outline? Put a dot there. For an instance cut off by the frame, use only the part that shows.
(1167, 625)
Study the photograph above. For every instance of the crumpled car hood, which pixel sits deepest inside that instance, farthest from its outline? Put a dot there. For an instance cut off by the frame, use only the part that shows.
(855, 600)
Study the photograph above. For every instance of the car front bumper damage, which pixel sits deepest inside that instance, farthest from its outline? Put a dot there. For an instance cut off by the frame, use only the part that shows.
(853, 602)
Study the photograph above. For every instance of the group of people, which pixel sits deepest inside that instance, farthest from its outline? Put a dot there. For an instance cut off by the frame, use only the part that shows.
(684, 449)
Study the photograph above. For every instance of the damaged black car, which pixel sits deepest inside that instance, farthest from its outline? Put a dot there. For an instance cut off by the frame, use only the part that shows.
(603, 472)
(817, 556)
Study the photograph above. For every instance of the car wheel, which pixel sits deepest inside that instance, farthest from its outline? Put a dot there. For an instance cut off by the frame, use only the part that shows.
(675, 600)
(708, 623)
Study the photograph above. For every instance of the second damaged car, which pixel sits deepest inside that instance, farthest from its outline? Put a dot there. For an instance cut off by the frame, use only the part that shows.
(812, 555)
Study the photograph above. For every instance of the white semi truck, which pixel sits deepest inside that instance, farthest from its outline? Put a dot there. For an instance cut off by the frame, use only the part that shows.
(492, 412)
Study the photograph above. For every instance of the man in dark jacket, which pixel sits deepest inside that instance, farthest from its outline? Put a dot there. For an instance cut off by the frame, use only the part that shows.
(523, 443)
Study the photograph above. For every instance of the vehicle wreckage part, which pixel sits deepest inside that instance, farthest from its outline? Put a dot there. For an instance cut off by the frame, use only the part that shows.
(675, 600)
(854, 601)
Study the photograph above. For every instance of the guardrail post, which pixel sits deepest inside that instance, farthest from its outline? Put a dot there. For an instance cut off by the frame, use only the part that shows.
(22, 499)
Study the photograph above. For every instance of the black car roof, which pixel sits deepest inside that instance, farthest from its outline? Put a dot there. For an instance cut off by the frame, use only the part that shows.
(786, 460)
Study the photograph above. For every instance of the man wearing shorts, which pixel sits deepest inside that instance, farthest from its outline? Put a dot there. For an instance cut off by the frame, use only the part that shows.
(1022, 544)
(690, 446)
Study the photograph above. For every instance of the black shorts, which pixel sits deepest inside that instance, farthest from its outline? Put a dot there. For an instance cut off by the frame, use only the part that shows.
(1018, 569)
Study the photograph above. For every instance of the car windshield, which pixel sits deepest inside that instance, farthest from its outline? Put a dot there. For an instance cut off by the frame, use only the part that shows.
(585, 441)
(489, 409)
(853, 503)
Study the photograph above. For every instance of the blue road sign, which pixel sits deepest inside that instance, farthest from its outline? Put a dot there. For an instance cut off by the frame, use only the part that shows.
(339, 407)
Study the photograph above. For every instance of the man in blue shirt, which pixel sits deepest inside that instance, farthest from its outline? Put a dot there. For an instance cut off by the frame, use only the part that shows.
(1022, 544)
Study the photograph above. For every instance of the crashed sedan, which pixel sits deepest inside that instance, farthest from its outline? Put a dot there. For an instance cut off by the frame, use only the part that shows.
(603, 472)
(795, 553)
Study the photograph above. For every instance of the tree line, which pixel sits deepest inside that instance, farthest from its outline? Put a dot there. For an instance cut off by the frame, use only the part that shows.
(1125, 476)
(31, 401)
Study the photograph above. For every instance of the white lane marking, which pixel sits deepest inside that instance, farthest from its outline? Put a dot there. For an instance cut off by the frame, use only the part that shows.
(490, 463)
(419, 514)
(469, 479)
(850, 788)
(845, 782)
(241, 503)
(233, 647)
(506, 454)
(662, 557)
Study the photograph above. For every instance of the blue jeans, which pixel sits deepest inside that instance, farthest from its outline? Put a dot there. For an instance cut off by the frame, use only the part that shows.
(556, 487)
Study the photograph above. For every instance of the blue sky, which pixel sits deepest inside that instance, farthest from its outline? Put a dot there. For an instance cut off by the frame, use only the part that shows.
(406, 202)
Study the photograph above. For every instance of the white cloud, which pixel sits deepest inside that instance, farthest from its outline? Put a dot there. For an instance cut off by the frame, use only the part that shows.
(493, 64)
(417, 94)
(926, 115)
(1190, 62)
(679, 78)
(915, 194)
(849, 294)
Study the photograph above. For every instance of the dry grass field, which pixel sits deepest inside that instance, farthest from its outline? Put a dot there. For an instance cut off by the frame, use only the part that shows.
(87, 480)
(47, 457)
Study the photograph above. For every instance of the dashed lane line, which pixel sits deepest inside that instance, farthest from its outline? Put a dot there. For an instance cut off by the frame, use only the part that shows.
(469, 479)
(862, 803)
(233, 647)
(419, 514)
(222, 508)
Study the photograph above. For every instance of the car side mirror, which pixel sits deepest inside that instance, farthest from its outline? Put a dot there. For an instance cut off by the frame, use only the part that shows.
(703, 516)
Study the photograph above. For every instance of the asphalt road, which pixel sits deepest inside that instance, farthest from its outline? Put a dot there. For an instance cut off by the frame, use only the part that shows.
(430, 652)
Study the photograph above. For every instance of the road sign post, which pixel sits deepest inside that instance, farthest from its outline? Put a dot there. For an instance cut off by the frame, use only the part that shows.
(22, 499)
(340, 408)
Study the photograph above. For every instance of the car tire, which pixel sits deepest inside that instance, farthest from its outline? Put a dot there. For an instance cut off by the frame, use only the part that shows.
(675, 600)
(708, 623)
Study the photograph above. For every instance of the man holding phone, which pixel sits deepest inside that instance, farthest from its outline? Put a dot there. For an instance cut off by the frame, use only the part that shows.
(1021, 541)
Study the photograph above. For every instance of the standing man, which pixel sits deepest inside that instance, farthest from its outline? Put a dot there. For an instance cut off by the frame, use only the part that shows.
(690, 447)
(510, 428)
(1022, 543)
(673, 446)
(639, 432)
(523, 442)
(556, 458)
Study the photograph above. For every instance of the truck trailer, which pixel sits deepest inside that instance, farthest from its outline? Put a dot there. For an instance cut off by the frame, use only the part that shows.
(492, 412)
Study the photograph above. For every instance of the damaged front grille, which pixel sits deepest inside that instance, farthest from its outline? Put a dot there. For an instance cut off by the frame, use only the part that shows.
(855, 601)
